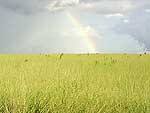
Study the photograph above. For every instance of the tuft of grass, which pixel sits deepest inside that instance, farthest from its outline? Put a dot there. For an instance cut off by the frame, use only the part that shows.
(75, 83)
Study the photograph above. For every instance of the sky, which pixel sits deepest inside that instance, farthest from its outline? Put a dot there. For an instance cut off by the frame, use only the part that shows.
(74, 26)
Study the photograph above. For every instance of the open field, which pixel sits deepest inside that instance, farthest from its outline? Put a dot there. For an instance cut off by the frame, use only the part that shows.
(75, 83)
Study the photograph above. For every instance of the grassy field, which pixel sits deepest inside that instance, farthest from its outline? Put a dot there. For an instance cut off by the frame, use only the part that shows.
(75, 83)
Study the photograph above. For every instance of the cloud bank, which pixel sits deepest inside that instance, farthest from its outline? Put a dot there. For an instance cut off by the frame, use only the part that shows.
(33, 26)
(99, 6)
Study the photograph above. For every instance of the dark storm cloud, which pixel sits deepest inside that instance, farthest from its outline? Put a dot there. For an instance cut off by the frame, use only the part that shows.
(14, 28)
(138, 25)
(24, 6)
(34, 6)
(98, 6)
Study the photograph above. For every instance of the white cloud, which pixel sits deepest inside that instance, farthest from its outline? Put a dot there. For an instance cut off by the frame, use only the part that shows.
(118, 15)
(126, 21)
(107, 6)
(147, 10)
(56, 5)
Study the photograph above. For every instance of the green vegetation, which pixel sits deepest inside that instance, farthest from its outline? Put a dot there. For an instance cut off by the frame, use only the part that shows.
(75, 83)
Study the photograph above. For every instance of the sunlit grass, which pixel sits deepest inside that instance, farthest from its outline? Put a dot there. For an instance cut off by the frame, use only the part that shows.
(75, 83)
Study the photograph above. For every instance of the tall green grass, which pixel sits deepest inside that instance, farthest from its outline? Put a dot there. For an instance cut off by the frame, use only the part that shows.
(75, 83)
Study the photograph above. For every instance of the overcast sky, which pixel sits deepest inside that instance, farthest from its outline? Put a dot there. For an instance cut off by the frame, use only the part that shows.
(42, 26)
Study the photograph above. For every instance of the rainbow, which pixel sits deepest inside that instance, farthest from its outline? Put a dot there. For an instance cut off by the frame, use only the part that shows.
(76, 23)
